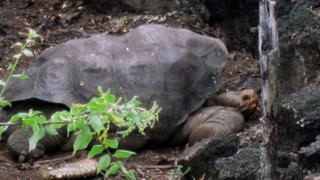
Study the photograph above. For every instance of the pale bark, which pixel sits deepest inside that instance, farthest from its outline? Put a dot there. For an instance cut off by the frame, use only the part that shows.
(269, 60)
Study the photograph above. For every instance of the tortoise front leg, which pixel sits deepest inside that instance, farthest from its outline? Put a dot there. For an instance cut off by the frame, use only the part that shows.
(18, 139)
(18, 143)
(211, 121)
(225, 117)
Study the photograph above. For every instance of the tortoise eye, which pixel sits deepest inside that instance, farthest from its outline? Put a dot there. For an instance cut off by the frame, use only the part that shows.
(245, 97)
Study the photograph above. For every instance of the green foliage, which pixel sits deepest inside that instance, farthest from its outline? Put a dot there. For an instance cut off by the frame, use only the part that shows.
(95, 150)
(83, 138)
(38, 134)
(89, 122)
(4, 103)
(114, 168)
(2, 130)
(179, 172)
(129, 174)
(23, 51)
(112, 143)
(123, 154)
(104, 162)
(21, 76)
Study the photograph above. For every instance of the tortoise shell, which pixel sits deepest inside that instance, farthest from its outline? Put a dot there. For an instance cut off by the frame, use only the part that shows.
(177, 68)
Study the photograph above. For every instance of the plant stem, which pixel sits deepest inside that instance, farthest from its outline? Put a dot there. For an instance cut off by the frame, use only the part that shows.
(20, 123)
(9, 77)
(13, 68)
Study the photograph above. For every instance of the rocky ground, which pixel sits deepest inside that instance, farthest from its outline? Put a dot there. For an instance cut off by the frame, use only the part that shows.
(235, 22)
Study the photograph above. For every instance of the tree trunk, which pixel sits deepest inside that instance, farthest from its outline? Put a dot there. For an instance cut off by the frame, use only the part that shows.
(269, 60)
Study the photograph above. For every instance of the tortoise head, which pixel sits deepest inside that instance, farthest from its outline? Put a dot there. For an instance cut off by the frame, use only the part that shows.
(248, 101)
(245, 101)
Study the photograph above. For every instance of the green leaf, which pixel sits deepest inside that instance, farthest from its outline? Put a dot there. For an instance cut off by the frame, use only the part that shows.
(117, 118)
(61, 117)
(21, 76)
(123, 154)
(51, 130)
(95, 150)
(82, 140)
(56, 119)
(28, 53)
(32, 34)
(3, 129)
(112, 143)
(41, 119)
(82, 125)
(110, 97)
(105, 119)
(134, 101)
(17, 117)
(70, 128)
(34, 119)
(4, 103)
(130, 175)
(96, 124)
(33, 113)
(104, 162)
(38, 134)
(133, 116)
(77, 109)
(64, 116)
(96, 105)
(30, 121)
(113, 169)
(11, 66)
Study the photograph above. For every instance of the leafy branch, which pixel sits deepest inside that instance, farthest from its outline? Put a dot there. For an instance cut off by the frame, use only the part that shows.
(92, 122)
(23, 51)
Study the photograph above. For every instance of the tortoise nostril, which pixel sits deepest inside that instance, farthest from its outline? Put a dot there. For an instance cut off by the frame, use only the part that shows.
(245, 97)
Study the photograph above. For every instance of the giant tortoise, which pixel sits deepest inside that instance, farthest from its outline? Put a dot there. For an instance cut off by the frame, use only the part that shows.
(177, 68)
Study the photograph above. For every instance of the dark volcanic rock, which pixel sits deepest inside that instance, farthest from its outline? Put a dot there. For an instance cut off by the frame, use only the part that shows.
(299, 121)
(202, 155)
(288, 166)
(243, 165)
(298, 127)
(312, 149)
(299, 36)
(310, 155)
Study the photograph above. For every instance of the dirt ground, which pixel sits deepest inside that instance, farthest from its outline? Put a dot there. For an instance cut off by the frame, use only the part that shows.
(60, 20)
